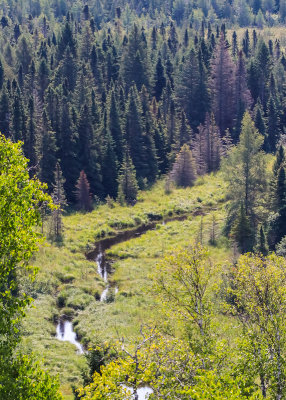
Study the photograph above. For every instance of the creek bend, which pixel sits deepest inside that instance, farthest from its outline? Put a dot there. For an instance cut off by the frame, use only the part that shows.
(65, 328)
(98, 254)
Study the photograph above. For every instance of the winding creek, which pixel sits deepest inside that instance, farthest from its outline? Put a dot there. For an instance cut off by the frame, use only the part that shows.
(64, 330)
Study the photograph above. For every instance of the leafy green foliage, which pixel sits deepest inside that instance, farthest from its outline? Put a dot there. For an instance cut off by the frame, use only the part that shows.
(21, 199)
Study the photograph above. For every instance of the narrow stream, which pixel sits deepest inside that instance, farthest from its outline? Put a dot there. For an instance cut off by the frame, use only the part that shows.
(64, 330)
(65, 333)
(98, 254)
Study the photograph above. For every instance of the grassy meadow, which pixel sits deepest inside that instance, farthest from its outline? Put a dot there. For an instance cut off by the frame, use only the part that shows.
(67, 283)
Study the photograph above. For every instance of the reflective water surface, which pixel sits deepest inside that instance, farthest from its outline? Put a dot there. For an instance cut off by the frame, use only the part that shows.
(65, 333)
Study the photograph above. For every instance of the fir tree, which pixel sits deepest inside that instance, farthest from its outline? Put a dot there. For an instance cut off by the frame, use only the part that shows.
(114, 126)
(245, 173)
(109, 168)
(83, 195)
(263, 67)
(135, 67)
(48, 157)
(1, 75)
(66, 40)
(261, 246)
(242, 96)
(18, 120)
(208, 147)
(160, 80)
(184, 169)
(140, 144)
(4, 113)
(31, 141)
(59, 199)
(87, 151)
(188, 89)
(242, 231)
(184, 134)
(127, 183)
(273, 125)
(68, 147)
(260, 123)
(222, 85)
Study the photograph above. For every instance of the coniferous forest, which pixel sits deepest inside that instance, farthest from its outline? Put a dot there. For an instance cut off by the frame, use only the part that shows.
(143, 199)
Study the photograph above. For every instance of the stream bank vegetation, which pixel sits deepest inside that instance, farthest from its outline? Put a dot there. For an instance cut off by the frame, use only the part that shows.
(203, 363)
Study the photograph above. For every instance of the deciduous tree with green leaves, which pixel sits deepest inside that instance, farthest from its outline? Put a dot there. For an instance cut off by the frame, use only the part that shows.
(259, 290)
(20, 202)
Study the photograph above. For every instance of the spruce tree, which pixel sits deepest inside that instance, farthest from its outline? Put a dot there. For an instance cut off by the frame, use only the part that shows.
(184, 169)
(18, 120)
(140, 143)
(31, 140)
(187, 88)
(109, 168)
(87, 150)
(261, 246)
(48, 157)
(208, 146)
(184, 134)
(59, 199)
(82, 193)
(242, 96)
(1, 75)
(114, 125)
(160, 80)
(260, 123)
(161, 145)
(273, 125)
(68, 148)
(4, 113)
(148, 137)
(135, 66)
(281, 205)
(245, 173)
(242, 231)
(262, 62)
(222, 86)
(66, 40)
(127, 183)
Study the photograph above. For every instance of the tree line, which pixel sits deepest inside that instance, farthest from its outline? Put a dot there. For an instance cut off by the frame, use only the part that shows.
(97, 100)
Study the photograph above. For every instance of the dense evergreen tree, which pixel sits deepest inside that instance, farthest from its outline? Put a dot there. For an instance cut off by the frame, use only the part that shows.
(83, 195)
(208, 147)
(222, 86)
(242, 97)
(261, 246)
(189, 90)
(246, 175)
(141, 145)
(87, 153)
(273, 125)
(260, 123)
(48, 158)
(109, 168)
(184, 169)
(135, 60)
(160, 80)
(4, 114)
(127, 183)
(242, 231)
(59, 199)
